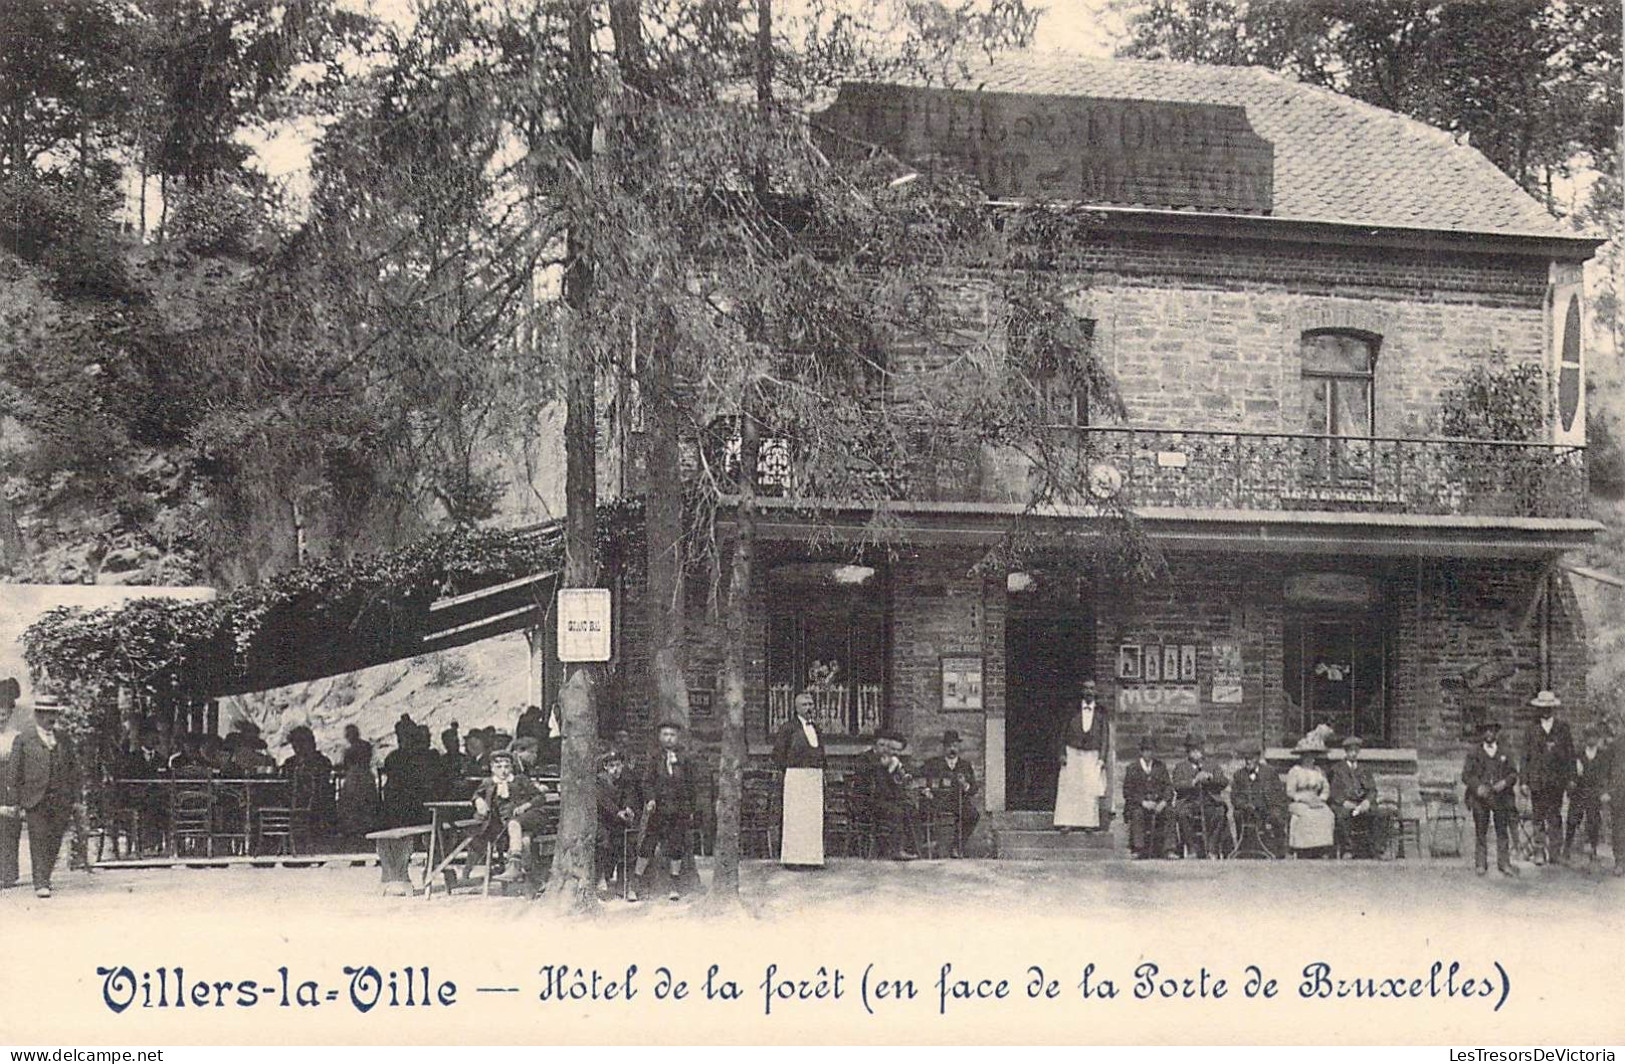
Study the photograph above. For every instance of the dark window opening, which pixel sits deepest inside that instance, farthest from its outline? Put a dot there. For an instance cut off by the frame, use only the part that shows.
(1336, 672)
(831, 641)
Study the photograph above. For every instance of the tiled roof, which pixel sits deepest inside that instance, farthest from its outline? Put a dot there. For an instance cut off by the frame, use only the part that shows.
(1336, 159)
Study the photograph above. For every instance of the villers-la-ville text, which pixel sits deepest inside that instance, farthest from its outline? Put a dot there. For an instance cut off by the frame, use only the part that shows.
(365, 988)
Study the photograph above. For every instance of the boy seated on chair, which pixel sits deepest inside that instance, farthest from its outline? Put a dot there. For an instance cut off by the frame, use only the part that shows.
(511, 807)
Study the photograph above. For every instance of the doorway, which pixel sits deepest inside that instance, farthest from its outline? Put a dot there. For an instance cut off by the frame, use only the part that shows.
(1047, 657)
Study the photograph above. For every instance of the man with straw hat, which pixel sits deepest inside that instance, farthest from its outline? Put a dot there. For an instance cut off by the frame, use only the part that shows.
(1548, 762)
(1490, 775)
(44, 787)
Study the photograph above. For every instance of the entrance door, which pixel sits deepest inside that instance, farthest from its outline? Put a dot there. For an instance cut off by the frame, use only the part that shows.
(1047, 657)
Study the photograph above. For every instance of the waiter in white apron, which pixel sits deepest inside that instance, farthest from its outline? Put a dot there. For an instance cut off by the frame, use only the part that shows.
(1082, 781)
(798, 750)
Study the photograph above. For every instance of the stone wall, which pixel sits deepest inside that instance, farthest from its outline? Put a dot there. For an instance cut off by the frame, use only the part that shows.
(1205, 335)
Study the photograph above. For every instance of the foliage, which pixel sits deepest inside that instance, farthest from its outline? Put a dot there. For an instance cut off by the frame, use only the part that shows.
(1534, 84)
(1605, 460)
(1495, 401)
(318, 618)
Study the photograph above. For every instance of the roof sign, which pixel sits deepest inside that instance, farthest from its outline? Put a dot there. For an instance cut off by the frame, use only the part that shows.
(1017, 146)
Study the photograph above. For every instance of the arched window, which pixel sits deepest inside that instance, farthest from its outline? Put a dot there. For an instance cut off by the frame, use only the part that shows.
(1338, 372)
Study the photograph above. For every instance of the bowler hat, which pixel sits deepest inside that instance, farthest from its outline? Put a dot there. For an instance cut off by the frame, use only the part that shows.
(1147, 744)
(1193, 742)
(1545, 700)
(950, 737)
(1489, 725)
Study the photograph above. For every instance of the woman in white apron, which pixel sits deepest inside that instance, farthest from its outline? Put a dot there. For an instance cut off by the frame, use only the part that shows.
(1082, 781)
(798, 750)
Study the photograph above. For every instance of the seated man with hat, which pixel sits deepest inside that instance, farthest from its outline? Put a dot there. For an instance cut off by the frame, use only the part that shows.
(1148, 797)
(1204, 825)
(952, 781)
(1490, 776)
(1362, 826)
(894, 811)
(511, 806)
(1259, 801)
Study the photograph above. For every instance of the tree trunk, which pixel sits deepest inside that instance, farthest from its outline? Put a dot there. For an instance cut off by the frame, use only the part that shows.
(572, 887)
(663, 534)
(731, 771)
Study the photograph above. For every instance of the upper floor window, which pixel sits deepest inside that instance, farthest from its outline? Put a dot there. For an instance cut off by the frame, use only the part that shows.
(1065, 389)
(1338, 372)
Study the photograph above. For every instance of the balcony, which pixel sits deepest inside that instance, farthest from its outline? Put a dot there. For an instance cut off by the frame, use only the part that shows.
(1299, 472)
(1236, 471)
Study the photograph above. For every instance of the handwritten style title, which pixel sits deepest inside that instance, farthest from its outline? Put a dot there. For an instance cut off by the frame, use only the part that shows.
(778, 990)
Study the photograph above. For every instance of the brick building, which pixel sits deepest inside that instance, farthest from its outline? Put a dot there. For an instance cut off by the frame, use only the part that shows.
(1283, 281)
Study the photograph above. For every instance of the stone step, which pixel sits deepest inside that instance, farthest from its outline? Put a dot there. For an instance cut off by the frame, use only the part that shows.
(1053, 846)
(1022, 820)
(1069, 856)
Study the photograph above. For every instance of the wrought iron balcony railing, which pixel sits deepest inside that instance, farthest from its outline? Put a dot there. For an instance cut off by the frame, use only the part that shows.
(1282, 471)
(1243, 471)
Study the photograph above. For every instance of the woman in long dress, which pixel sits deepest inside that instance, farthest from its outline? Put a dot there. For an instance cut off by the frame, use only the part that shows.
(1082, 780)
(798, 750)
(1309, 793)
(358, 787)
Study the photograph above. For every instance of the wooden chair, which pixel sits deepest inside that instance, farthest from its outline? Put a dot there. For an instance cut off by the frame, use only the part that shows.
(864, 832)
(290, 823)
(837, 819)
(1441, 810)
(1405, 828)
(191, 818)
(231, 827)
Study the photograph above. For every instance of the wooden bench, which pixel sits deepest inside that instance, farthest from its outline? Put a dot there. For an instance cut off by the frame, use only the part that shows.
(395, 846)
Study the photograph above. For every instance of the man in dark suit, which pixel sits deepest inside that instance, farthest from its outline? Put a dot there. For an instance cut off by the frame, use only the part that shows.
(1548, 761)
(669, 806)
(1490, 776)
(1259, 800)
(896, 818)
(1198, 805)
(952, 781)
(11, 824)
(45, 788)
(1148, 796)
(1361, 825)
(1588, 783)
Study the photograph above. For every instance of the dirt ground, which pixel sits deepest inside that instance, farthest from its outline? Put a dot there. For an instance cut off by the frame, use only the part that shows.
(1556, 933)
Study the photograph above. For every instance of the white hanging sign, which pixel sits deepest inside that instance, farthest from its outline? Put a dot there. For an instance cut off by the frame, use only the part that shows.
(584, 620)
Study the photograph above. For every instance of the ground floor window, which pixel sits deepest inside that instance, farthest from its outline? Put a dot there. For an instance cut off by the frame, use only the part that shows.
(830, 641)
(1336, 673)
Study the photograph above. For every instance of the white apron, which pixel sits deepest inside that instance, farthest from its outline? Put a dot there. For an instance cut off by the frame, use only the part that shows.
(803, 841)
(1078, 790)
